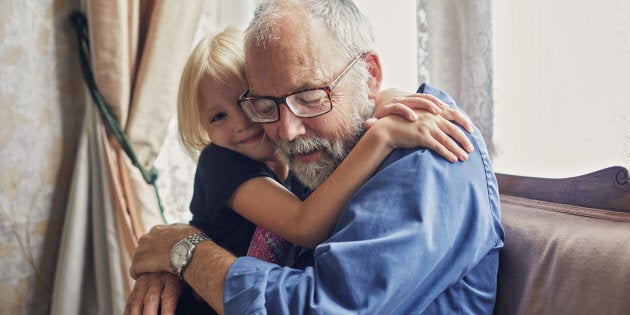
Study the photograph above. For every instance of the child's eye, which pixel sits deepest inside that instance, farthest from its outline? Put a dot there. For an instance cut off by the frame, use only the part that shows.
(217, 117)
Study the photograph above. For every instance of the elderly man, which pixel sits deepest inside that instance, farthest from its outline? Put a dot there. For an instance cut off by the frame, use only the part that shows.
(421, 236)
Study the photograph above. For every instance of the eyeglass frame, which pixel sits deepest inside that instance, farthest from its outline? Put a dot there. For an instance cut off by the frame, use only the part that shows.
(283, 99)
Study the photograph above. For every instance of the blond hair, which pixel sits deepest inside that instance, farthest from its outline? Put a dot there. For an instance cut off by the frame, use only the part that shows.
(219, 58)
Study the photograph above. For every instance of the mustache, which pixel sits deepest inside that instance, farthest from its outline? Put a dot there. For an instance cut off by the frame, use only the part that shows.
(304, 145)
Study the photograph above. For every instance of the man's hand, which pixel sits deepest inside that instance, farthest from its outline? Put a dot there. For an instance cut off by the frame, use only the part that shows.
(154, 293)
(153, 251)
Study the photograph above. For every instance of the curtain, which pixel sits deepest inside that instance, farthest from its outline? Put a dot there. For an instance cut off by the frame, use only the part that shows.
(138, 50)
(455, 53)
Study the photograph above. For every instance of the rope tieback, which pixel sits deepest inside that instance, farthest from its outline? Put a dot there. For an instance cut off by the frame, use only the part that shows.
(79, 23)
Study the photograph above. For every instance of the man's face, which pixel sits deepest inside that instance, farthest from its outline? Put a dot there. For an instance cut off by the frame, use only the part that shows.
(302, 59)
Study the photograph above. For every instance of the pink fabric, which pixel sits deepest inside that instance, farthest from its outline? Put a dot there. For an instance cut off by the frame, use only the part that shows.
(267, 246)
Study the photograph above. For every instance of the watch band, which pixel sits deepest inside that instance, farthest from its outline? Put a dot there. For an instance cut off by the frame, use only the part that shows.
(192, 240)
(197, 238)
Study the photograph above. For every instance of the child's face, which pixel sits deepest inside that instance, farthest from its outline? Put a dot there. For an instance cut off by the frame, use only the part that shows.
(227, 125)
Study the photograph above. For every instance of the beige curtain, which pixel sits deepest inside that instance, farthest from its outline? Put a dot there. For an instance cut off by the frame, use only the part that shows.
(138, 51)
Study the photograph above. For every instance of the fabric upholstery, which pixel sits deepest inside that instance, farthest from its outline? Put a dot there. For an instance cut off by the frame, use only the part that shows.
(561, 259)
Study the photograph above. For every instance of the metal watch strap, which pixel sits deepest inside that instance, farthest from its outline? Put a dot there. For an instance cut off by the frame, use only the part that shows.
(197, 237)
(193, 240)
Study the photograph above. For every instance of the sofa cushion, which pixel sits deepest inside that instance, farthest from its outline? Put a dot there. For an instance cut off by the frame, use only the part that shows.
(563, 259)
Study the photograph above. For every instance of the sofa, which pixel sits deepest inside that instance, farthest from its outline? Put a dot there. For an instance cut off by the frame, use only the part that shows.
(567, 244)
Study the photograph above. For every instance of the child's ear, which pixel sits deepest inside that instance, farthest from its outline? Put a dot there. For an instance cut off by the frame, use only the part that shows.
(376, 73)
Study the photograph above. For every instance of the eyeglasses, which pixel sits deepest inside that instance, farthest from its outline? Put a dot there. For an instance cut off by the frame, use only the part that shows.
(305, 103)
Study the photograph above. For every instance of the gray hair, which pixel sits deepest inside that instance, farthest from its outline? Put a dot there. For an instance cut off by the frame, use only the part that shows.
(351, 29)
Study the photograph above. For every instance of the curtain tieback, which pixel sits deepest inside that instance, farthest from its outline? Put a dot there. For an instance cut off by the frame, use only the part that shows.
(79, 23)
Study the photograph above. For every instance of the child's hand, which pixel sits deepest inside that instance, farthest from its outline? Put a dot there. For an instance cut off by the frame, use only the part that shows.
(434, 132)
(423, 126)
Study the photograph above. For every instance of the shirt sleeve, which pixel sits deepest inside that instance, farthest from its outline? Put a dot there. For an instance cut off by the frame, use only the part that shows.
(414, 230)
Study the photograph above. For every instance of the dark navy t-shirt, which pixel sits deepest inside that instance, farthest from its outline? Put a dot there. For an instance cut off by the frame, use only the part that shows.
(219, 173)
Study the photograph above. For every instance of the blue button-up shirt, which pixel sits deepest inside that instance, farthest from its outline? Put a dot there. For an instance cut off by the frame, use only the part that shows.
(422, 236)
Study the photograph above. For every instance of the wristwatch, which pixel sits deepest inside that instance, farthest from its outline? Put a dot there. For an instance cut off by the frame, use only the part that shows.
(182, 252)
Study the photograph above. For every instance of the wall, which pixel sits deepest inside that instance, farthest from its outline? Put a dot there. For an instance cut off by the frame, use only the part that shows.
(40, 113)
(394, 24)
(562, 86)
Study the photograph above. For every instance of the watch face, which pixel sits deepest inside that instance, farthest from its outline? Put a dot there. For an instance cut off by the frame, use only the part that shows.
(179, 254)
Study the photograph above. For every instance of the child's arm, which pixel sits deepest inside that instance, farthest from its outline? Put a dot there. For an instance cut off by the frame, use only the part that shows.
(308, 223)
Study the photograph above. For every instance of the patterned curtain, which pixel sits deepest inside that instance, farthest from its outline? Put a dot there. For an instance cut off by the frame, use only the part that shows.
(455, 53)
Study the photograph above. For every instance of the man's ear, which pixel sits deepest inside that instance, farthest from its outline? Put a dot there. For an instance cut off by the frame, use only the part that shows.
(376, 73)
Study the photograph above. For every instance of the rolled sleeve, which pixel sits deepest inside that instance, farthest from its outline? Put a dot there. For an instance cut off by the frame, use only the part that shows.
(246, 281)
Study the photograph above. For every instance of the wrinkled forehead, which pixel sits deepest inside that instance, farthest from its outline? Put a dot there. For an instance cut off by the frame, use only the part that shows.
(301, 55)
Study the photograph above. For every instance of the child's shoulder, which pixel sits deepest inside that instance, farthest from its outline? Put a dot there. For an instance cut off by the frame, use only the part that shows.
(217, 159)
(213, 152)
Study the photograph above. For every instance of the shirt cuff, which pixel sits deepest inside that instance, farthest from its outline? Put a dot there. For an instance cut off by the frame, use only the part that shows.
(245, 284)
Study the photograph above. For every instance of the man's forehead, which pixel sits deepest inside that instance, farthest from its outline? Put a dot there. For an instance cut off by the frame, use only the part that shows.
(277, 72)
(300, 56)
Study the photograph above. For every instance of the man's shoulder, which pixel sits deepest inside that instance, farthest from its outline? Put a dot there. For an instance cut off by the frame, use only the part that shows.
(422, 167)
(416, 162)
(422, 160)
(427, 88)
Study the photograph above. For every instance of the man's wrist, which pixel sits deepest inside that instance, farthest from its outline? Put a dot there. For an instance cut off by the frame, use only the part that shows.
(182, 252)
(207, 272)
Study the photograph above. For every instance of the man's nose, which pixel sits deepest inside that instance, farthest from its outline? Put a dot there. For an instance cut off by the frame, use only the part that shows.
(290, 126)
